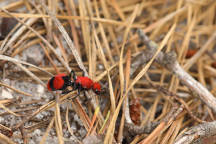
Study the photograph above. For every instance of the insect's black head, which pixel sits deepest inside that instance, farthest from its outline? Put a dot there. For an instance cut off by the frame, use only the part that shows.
(96, 88)
(97, 92)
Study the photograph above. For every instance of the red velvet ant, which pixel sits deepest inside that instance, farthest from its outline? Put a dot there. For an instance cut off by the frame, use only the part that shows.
(62, 81)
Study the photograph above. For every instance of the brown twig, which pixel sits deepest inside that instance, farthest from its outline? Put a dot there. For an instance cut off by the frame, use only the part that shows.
(170, 117)
(24, 135)
(169, 61)
(137, 130)
(203, 133)
(175, 96)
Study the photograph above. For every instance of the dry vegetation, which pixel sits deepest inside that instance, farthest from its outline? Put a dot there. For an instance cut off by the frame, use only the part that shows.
(155, 60)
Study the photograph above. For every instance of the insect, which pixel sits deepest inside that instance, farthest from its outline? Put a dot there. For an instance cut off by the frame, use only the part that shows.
(80, 83)
(85, 83)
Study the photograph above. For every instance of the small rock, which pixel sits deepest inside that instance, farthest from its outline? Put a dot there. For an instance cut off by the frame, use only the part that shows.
(93, 139)
(40, 89)
(6, 94)
(34, 55)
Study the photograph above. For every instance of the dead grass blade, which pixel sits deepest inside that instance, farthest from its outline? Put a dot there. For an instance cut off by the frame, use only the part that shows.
(200, 52)
(50, 59)
(9, 111)
(6, 101)
(105, 122)
(101, 38)
(126, 111)
(5, 139)
(31, 74)
(15, 35)
(14, 89)
(58, 123)
(43, 140)
(67, 39)
(121, 71)
(59, 44)
(93, 120)
(72, 25)
(42, 108)
(101, 20)
(112, 96)
(165, 19)
(109, 135)
(143, 71)
(101, 52)
(43, 39)
(67, 121)
(83, 115)
(13, 60)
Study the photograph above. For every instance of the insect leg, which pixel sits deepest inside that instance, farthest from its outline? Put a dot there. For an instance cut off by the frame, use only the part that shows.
(73, 75)
(79, 88)
(83, 73)
(67, 91)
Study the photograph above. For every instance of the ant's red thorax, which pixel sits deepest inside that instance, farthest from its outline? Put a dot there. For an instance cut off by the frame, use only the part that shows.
(85, 82)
